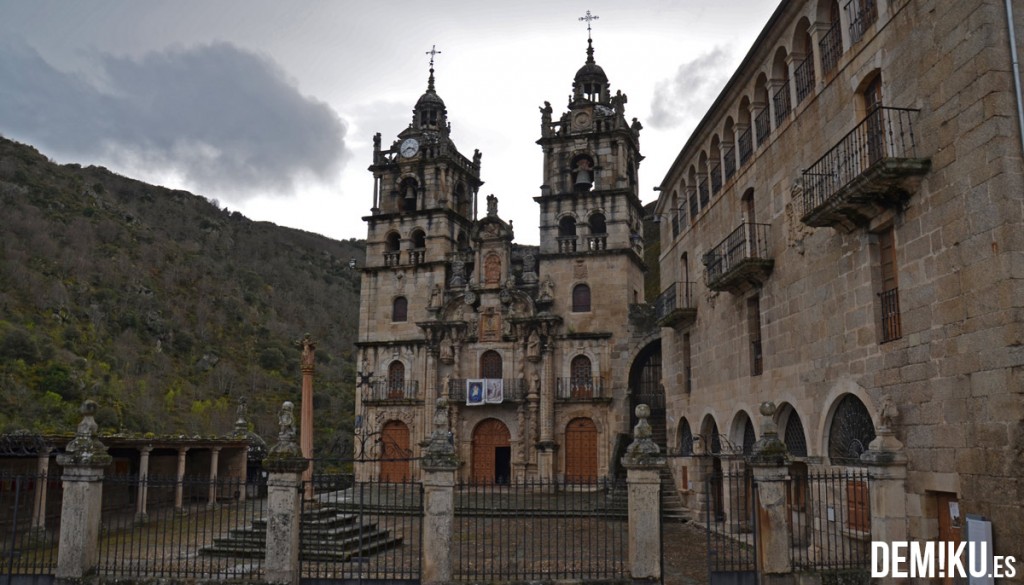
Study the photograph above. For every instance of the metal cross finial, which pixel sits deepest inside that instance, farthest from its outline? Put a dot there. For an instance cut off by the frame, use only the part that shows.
(433, 51)
(589, 18)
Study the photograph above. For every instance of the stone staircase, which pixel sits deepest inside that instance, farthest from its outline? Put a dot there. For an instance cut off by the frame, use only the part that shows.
(672, 508)
(328, 534)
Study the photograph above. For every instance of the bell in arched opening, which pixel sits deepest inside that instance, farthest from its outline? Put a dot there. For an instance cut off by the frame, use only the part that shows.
(584, 175)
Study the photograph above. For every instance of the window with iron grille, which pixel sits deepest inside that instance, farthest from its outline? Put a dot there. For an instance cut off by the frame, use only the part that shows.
(850, 432)
(399, 310)
(796, 442)
(889, 294)
(685, 438)
(754, 326)
(748, 438)
(490, 365)
(581, 299)
(581, 382)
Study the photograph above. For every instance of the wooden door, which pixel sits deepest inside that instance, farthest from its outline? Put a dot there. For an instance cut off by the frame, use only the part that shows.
(948, 511)
(394, 464)
(581, 450)
(488, 437)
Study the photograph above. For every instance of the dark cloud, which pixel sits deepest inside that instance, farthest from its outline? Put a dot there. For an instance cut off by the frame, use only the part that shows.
(224, 119)
(687, 95)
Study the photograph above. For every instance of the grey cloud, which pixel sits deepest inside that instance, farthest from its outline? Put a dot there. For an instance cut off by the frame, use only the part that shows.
(225, 119)
(683, 98)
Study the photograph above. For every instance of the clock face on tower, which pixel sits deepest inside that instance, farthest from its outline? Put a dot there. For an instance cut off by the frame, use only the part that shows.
(409, 148)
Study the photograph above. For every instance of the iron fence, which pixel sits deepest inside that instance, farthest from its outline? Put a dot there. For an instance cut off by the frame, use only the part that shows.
(746, 146)
(861, 14)
(715, 171)
(729, 160)
(803, 74)
(731, 517)
(884, 133)
(831, 47)
(385, 390)
(30, 506)
(361, 530)
(762, 126)
(748, 241)
(541, 530)
(782, 103)
(678, 295)
(830, 514)
(208, 531)
(580, 388)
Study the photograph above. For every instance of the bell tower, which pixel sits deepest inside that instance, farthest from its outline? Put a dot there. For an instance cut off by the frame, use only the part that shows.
(589, 200)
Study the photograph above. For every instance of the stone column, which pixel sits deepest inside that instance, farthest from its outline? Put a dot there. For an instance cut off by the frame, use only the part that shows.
(141, 515)
(285, 467)
(643, 462)
(42, 479)
(887, 467)
(214, 464)
(179, 485)
(546, 448)
(439, 465)
(83, 462)
(306, 435)
(771, 475)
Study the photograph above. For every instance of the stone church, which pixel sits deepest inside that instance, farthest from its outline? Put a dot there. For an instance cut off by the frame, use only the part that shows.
(534, 350)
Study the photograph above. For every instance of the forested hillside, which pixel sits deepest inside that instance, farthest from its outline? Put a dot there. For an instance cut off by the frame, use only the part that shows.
(161, 306)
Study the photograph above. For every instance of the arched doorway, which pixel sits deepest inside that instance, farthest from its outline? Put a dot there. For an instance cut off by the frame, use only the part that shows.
(394, 462)
(492, 452)
(581, 451)
(645, 388)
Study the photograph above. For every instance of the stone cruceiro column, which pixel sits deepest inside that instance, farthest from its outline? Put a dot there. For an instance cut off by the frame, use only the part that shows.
(83, 462)
(887, 467)
(306, 432)
(770, 464)
(285, 466)
(439, 465)
(141, 498)
(643, 462)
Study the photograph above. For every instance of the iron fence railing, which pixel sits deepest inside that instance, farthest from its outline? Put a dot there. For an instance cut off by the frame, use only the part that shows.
(748, 241)
(678, 295)
(513, 389)
(831, 47)
(541, 530)
(363, 531)
(694, 208)
(30, 506)
(208, 530)
(782, 103)
(383, 390)
(861, 14)
(746, 146)
(830, 515)
(803, 74)
(702, 187)
(729, 161)
(884, 133)
(763, 126)
(731, 520)
(891, 327)
(715, 172)
(580, 388)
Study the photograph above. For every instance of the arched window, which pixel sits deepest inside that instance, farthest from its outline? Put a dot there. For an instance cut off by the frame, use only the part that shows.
(419, 239)
(597, 224)
(409, 193)
(685, 438)
(796, 441)
(781, 102)
(567, 227)
(850, 432)
(490, 365)
(581, 380)
(399, 310)
(831, 42)
(393, 242)
(582, 174)
(396, 379)
(748, 437)
(803, 71)
(581, 299)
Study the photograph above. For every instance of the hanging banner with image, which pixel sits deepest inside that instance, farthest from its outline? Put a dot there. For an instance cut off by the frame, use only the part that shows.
(494, 391)
(474, 392)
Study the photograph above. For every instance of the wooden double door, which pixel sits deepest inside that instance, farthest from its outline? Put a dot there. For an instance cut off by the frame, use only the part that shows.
(492, 453)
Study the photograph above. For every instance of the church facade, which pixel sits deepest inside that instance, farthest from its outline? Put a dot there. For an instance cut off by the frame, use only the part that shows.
(536, 354)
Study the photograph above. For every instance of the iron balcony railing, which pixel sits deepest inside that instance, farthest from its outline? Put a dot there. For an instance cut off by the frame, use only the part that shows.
(392, 258)
(729, 156)
(694, 208)
(831, 47)
(885, 133)
(781, 103)
(804, 77)
(763, 126)
(384, 390)
(678, 296)
(891, 327)
(861, 14)
(579, 388)
(513, 390)
(677, 217)
(746, 146)
(566, 244)
(716, 178)
(747, 242)
(703, 188)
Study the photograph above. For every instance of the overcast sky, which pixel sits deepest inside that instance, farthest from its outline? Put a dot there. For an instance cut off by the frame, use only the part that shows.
(270, 106)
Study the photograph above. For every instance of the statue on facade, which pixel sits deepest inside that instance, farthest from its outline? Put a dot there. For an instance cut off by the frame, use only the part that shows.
(458, 273)
(286, 423)
(533, 346)
(492, 205)
(547, 290)
(447, 351)
(435, 297)
(545, 119)
(308, 352)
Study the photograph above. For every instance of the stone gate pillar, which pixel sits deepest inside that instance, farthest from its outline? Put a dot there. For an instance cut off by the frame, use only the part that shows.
(285, 466)
(83, 462)
(644, 462)
(769, 462)
(439, 465)
(887, 468)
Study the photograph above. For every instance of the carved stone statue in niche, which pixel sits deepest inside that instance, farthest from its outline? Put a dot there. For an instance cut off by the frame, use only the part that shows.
(490, 325)
(547, 290)
(533, 346)
(435, 297)
(492, 270)
(458, 273)
(447, 351)
(492, 206)
(529, 269)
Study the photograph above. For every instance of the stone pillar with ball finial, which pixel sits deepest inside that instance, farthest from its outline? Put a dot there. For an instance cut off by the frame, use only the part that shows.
(643, 462)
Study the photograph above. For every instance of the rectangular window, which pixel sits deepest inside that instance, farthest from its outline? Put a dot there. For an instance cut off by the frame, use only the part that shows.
(754, 327)
(889, 294)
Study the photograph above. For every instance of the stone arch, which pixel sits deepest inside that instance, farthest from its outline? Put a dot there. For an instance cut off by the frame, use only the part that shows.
(491, 459)
(392, 242)
(741, 433)
(851, 428)
(567, 225)
(418, 239)
(818, 440)
(684, 438)
(791, 430)
(645, 387)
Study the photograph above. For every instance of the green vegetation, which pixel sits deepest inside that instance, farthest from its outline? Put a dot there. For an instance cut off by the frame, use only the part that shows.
(161, 306)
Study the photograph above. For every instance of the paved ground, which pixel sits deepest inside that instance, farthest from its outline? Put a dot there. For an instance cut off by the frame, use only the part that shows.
(686, 560)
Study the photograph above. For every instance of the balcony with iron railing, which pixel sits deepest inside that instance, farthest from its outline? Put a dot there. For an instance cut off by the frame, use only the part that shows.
(873, 168)
(581, 388)
(763, 126)
(861, 14)
(566, 244)
(746, 146)
(741, 261)
(831, 47)
(512, 389)
(781, 103)
(384, 391)
(702, 187)
(729, 158)
(675, 306)
(803, 74)
(715, 172)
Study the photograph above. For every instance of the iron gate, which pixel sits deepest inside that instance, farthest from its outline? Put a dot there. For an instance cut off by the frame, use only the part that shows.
(360, 522)
(730, 513)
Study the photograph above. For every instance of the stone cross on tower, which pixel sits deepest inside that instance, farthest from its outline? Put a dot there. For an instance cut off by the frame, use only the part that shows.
(589, 18)
(433, 51)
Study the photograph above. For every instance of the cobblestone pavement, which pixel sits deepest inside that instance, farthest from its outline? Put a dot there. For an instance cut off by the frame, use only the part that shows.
(686, 559)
